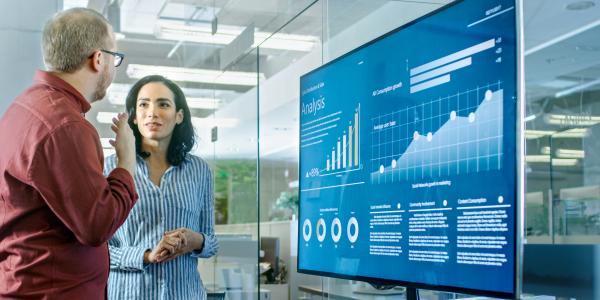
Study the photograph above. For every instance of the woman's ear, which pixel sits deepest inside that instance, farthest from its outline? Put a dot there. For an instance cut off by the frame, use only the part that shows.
(179, 117)
(131, 113)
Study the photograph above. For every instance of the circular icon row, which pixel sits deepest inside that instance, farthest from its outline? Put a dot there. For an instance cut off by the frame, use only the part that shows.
(336, 230)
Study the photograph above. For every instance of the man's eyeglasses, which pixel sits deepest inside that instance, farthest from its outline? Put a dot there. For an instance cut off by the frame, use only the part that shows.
(118, 56)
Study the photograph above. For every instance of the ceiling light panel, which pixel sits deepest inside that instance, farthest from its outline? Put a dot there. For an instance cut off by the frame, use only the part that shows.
(118, 98)
(536, 134)
(196, 98)
(68, 4)
(196, 75)
(211, 122)
(202, 34)
(572, 133)
(105, 117)
(571, 120)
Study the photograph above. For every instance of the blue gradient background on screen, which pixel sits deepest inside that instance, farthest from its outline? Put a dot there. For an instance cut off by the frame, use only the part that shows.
(352, 81)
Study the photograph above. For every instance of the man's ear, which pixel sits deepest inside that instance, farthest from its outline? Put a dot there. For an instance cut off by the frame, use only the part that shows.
(97, 60)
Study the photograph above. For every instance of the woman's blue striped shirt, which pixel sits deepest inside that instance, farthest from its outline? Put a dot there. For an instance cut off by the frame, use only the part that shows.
(183, 199)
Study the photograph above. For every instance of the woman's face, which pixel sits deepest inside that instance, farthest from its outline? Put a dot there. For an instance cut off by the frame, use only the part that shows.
(155, 114)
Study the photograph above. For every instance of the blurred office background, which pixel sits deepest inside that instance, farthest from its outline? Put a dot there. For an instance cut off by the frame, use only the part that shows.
(239, 62)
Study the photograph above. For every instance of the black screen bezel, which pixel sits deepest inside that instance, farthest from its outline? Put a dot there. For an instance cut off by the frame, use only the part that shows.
(383, 281)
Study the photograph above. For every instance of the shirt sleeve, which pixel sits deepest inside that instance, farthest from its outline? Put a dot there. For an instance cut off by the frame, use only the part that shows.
(67, 172)
(125, 258)
(207, 223)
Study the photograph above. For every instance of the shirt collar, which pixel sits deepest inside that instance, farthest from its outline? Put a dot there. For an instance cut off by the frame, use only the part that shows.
(55, 82)
(140, 159)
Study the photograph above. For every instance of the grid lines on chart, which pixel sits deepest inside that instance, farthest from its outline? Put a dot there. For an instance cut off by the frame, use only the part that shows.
(457, 134)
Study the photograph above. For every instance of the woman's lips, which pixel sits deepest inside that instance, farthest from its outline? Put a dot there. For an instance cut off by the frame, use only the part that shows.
(153, 125)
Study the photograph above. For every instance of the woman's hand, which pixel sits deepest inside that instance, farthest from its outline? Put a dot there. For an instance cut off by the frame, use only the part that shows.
(191, 240)
(174, 244)
(124, 143)
(168, 245)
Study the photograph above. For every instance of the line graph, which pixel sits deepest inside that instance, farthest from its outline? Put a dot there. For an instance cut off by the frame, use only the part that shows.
(452, 135)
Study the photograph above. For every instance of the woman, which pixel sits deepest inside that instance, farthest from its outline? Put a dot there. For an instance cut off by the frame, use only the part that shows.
(154, 255)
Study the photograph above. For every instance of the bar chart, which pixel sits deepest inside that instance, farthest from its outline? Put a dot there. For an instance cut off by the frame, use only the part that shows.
(339, 133)
(438, 72)
(453, 135)
(344, 154)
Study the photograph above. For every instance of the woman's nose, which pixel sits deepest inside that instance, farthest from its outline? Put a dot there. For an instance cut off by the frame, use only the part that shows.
(150, 112)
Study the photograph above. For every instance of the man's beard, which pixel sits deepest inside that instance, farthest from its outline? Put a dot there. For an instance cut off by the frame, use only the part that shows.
(102, 85)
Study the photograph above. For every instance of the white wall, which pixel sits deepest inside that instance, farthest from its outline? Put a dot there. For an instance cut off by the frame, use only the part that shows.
(21, 25)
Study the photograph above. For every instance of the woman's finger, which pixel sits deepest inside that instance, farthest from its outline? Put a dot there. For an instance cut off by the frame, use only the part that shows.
(170, 241)
(174, 231)
(184, 239)
(163, 253)
(168, 247)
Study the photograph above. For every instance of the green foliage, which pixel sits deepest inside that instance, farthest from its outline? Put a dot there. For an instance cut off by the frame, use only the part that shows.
(285, 206)
(235, 183)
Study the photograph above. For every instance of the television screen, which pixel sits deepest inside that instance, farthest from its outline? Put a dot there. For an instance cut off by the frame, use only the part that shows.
(408, 155)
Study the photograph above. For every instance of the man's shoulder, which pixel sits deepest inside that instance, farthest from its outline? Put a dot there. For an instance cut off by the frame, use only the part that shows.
(50, 107)
(36, 115)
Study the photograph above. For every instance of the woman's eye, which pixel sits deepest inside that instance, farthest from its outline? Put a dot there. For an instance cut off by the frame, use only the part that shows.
(142, 105)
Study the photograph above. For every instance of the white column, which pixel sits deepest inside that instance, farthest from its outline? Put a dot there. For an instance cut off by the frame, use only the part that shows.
(21, 24)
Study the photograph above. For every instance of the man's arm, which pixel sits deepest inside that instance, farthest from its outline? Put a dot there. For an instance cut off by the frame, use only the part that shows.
(67, 171)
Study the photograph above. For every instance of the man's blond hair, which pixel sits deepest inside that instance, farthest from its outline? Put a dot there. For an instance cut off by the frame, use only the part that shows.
(71, 36)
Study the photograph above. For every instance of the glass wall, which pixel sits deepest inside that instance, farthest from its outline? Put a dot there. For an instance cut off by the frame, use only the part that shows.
(562, 74)
(278, 136)
(340, 26)
(562, 62)
(233, 135)
(174, 39)
(248, 131)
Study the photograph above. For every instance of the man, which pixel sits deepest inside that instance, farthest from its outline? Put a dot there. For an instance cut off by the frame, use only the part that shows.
(57, 211)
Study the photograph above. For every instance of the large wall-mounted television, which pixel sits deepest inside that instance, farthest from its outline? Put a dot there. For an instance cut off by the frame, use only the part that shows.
(408, 155)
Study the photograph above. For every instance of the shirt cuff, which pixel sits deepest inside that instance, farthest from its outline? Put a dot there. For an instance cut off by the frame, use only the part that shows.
(128, 258)
(207, 248)
(123, 176)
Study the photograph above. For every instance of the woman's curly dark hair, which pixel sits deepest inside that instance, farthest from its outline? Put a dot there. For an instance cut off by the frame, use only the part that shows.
(183, 138)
